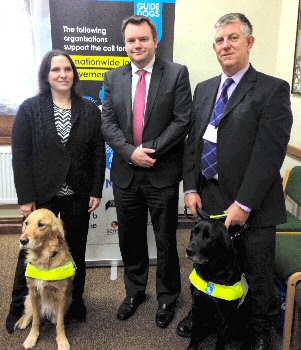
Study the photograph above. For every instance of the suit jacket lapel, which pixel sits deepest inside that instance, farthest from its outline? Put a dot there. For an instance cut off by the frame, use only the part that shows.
(210, 97)
(153, 88)
(207, 104)
(127, 92)
(246, 83)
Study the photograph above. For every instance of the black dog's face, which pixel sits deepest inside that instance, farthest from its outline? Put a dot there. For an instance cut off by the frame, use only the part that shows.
(209, 240)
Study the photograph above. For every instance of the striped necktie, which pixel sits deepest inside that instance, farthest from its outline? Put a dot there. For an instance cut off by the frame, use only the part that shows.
(209, 161)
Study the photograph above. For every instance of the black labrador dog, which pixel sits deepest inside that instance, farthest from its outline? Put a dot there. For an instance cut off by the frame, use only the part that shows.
(216, 282)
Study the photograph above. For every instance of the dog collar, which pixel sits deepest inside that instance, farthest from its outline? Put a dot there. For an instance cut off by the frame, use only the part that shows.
(220, 291)
(55, 274)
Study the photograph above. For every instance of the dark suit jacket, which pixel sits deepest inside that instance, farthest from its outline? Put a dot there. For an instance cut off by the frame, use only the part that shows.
(251, 144)
(42, 163)
(167, 120)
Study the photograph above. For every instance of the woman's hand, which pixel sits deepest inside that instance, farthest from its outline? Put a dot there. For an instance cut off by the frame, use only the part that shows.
(28, 208)
(93, 204)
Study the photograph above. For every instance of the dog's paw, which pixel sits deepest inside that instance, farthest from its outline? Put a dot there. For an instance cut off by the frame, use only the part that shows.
(63, 344)
(30, 342)
(23, 322)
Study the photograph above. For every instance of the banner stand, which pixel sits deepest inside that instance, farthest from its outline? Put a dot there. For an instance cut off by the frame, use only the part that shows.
(102, 243)
(103, 249)
(86, 31)
(114, 274)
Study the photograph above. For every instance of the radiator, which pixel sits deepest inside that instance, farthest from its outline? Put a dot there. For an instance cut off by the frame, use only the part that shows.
(8, 193)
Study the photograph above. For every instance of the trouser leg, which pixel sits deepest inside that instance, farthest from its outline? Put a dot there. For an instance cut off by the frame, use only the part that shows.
(19, 292)
(163, 205)
(74, 213)
(20, 289)
(256, 249)
(132, 232)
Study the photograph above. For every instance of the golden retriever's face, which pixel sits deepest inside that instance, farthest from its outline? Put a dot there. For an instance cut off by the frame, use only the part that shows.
(39, 226)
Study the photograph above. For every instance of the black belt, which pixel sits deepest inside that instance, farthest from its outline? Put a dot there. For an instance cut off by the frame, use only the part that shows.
(212, 180)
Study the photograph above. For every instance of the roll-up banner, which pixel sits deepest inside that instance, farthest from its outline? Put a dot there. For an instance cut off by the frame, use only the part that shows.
(89, 30)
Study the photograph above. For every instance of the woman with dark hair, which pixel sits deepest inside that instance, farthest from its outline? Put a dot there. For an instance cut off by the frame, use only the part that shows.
(59, 163)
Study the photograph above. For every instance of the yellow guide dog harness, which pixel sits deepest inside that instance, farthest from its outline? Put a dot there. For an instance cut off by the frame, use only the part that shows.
(220, 291)
(55, 274)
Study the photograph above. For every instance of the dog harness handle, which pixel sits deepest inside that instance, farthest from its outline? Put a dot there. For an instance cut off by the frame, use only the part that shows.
(219, 216)
(203, 215)
(55, 274)
(220, 291)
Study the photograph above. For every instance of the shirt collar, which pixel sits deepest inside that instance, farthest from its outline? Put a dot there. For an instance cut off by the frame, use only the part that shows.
(149, 67)
(236, 77)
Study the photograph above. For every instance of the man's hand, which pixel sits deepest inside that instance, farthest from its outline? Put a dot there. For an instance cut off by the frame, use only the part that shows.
(192, 200)
(140, 157)
(236, 216)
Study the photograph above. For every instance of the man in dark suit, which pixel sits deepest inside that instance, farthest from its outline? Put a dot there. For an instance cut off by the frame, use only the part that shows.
(146, 173)
(250, 143)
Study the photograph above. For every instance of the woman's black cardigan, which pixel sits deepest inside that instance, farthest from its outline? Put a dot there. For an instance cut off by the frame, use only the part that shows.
(42, 164)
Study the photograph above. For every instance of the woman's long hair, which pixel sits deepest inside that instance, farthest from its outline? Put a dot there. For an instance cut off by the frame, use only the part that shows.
(44, 86)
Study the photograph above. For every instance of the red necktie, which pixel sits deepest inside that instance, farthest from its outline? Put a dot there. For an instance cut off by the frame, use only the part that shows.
(138, 108)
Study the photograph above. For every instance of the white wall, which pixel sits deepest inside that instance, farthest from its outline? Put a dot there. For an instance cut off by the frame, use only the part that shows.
(194, 34)
(274, 28)
(274, 23)
(284, 68)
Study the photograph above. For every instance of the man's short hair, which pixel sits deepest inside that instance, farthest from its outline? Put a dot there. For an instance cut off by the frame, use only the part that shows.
(136, 19)
(246, 26)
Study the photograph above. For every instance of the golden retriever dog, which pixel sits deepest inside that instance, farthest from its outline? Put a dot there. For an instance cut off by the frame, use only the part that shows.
(49, 273)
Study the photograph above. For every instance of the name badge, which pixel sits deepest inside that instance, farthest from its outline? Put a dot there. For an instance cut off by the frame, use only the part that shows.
(211, 133)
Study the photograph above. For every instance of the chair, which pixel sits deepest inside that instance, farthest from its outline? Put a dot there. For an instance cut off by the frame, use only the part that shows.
(292, 189)
(288, 258)
(287, 269)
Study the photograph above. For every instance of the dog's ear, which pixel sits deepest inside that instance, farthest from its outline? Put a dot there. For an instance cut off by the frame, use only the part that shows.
(207, 229)
(58, 227)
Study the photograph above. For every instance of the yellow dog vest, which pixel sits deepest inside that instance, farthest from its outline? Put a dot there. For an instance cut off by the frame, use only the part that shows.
(217, 290)
(55, 274)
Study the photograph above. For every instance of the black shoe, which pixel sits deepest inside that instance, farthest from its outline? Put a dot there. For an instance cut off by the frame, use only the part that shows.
(261, 342)
(184, 328)
(77, 311)
(129, 306)
(164, 315)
